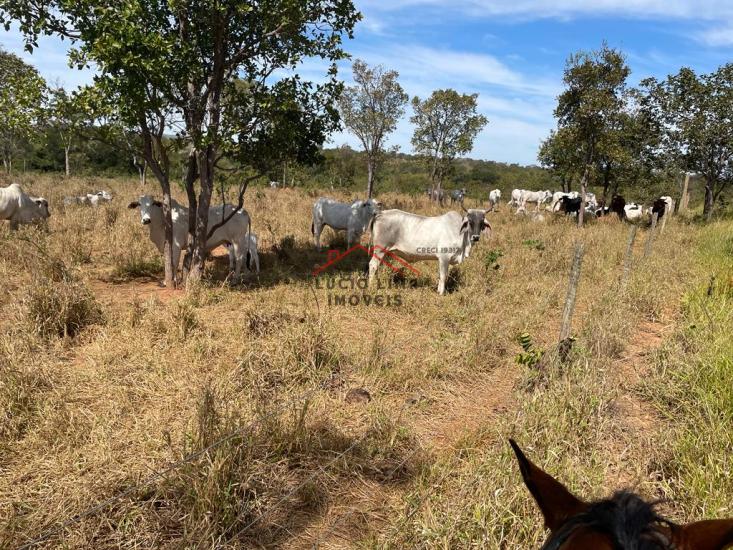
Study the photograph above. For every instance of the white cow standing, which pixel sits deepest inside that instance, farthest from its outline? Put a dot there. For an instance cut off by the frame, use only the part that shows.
(235, 231)
(538, 197)
(353, 218)
(19, 208)
(494, 198)
(447, 238)
(516, 198)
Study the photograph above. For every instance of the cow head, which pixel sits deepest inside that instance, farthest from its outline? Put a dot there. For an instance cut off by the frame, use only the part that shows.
(475, 223)
(105, 195)
(366, 208)
(42, 205)
(148, 208)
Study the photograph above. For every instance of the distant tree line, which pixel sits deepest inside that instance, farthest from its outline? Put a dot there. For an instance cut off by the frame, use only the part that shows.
(612, 137)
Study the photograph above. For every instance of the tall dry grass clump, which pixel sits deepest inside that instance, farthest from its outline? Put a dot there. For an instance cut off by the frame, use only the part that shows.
(56, 304)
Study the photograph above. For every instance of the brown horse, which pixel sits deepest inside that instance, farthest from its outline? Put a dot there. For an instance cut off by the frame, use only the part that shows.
(622, 522)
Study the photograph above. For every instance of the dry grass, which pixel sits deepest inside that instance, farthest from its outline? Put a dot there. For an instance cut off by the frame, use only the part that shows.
(143, 377)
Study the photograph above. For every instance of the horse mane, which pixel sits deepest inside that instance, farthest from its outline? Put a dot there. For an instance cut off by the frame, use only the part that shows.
(629, 521)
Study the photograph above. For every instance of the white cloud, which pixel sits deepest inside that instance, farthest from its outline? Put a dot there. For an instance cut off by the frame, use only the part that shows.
(687, 9)
(717, 36)
(50, 59)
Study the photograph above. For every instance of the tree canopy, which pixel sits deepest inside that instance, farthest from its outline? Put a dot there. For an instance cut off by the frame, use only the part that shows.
(695, 113)
(22, 94)
(371, 110)
(210, 70)
(446, 125)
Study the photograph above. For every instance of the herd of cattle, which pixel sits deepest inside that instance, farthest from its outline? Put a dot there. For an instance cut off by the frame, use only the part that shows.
(447, 238)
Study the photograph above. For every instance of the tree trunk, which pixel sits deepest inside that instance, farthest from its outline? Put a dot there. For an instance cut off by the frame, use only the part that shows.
(682, 205)
(188, 184)
(144, 178)
(66, 161)
(606, 183)
(370, 177)
(583, 186)
(170, 269)
(707, 209)
(198, 250)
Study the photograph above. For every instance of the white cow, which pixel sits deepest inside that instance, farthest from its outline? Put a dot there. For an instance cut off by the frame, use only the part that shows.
(494, 197)
(516, 197)
(235, 231)
(634, 212)
(447, 238)
(538, 197)
(353, 218)
(19, 208)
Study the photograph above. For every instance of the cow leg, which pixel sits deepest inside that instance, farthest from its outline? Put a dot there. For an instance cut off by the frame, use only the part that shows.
(443, 267)
(232, 257)
(377, 256)
(317, 228)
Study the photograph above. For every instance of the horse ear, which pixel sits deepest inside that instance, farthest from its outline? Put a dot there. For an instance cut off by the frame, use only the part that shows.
(556, 503)
(713, 534)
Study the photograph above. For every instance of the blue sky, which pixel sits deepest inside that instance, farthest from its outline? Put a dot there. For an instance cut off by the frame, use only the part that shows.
(510, 52)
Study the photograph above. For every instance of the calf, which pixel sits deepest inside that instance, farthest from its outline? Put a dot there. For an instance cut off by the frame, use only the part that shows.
(353, 218)
(447, 238)
(253, 258)
(20, 208)
(235, 231)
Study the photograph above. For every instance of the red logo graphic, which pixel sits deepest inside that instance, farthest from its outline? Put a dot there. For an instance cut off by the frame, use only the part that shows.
(387, 258)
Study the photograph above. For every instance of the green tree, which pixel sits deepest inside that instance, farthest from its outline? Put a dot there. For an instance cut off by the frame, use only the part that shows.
(446, 125)
(67, 116)
(559, 154)
(695, 113)
(595, 90)
(22, 93)
(181, 65)
(371, 110)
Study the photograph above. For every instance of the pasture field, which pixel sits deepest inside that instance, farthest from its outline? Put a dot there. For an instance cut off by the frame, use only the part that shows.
(248, 389)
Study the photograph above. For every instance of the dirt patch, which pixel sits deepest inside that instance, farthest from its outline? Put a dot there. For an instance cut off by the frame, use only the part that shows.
(636, 420)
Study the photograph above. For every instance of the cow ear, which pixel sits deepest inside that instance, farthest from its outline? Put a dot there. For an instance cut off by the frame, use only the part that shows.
(714, 534)
(464, 225)
(133, 204)
(556, 503)
(487, 225)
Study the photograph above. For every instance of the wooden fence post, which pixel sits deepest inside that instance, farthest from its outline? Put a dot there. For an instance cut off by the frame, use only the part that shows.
(567, 314)
(628, 257)
(650, 237)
